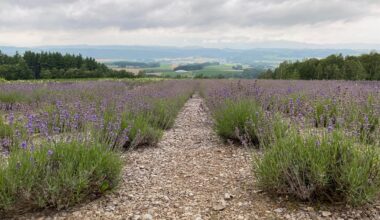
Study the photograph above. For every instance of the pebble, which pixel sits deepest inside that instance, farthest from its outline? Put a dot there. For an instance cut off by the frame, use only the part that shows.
(147, 217)
(326, 213)
(136, 217)
(228, 196)
(220, 205)
(279, 210)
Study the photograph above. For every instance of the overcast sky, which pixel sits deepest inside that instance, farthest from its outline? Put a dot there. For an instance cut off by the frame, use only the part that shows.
(209, 23)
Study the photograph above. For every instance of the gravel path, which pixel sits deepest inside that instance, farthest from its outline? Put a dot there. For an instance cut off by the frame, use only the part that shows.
(191, 174)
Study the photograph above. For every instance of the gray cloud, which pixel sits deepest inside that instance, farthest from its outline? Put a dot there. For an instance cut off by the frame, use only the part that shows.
(196, 14)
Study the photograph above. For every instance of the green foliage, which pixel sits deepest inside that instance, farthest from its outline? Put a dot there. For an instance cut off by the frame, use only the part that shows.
(271, 129)
(5, 130)
(240, 120)
(15, 71)
(125, 64)
(164, 112)
(327, 166)
(195, 66)
(48, 65)
(56, 176)
(245, 121)
(364, 67)
(146, 128)
(142, 132)
(143, 127)
(369, 129)
(9, 99)
(325, 113)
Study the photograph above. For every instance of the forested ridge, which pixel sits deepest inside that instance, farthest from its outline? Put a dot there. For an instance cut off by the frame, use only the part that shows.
(53, 65)
(364, 67)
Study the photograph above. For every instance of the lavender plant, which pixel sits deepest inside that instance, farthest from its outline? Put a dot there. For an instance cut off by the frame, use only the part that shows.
(56, 175)
(63, 137)
(325, 167)
(320, 138)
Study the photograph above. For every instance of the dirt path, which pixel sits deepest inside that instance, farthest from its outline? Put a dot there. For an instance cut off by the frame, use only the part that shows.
(190, 175)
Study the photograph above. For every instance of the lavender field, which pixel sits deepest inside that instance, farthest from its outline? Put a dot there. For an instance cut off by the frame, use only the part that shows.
(320, 139)
(63, 143)
(353, 107)
(41, 123)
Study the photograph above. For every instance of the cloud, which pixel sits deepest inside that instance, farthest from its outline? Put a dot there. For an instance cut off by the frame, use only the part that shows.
(187, 22)
(195, 14)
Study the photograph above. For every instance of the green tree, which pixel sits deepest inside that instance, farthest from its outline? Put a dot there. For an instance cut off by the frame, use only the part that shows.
(354, 70)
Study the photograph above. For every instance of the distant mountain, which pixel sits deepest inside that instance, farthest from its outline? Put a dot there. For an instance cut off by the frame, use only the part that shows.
(270, 56)
(300, 45)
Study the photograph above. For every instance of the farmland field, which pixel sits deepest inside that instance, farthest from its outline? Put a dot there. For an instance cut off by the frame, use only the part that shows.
(216, 149)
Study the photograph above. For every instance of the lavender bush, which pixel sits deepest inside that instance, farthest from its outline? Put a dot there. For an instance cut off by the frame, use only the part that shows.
(353, 107)
(114, 112)
(327, 167)
(61, 137)
(320, 138)
(56, 175)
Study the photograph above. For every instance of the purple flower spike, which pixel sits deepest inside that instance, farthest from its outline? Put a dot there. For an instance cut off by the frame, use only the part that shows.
(11, 118)
(330, 128)
(50, 152)
(318, 143)
(24, 145)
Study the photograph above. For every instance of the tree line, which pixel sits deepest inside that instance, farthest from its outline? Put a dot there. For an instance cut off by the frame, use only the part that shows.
(132, 64)
(364, 67)
(195, 66)
(53, 65)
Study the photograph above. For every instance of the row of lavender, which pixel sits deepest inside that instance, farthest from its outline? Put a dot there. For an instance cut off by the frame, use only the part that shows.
(352, 106)
(108, 110)
(320, 139)
(63, 139)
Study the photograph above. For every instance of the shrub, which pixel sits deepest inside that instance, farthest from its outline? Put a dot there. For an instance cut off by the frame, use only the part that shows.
(245, 121)
(5, 130)
(56, 176)
(143, 127)
(325, 113)
(164, 112)
(328, 166)
(9, 99)
(235, 119)
(141, 132)
(146, 127)
(369, 123)
(271, 129)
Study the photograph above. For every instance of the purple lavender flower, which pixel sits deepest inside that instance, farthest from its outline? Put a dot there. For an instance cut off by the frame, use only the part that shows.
(11, 118)
(50, 152)
(24, 145)
(318, 143)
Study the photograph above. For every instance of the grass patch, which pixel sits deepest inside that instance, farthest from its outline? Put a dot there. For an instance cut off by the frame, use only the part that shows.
(328, 167)
(56, 176)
